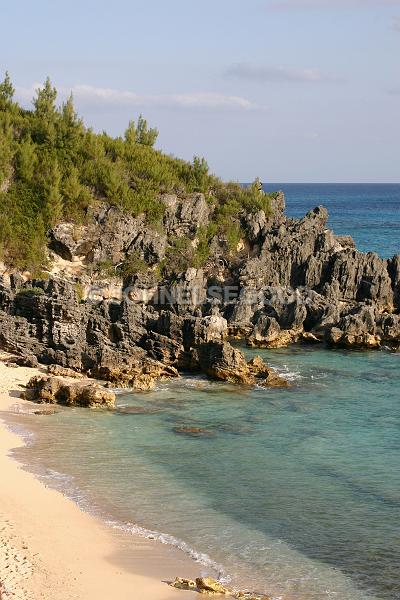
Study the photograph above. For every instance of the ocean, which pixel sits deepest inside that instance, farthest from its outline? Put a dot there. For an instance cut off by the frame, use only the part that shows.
(294, 492)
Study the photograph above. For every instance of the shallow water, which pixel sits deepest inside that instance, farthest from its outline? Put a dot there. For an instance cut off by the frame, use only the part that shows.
(292, 491)
(297, 490)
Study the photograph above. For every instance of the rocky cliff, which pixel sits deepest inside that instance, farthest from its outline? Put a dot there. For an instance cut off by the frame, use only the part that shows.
(287, 281)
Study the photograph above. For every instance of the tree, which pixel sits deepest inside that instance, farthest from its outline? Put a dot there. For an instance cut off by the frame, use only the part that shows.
(49, 182)
(45, 101)
(44, 128)
(70, 131)
(7, 148)
(76, 196)
(6, 92)
(144, 135)
(200, 174)
(26, 160)
(130, 134)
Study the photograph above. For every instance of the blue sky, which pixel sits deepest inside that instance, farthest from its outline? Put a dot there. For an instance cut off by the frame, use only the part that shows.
(290, 90)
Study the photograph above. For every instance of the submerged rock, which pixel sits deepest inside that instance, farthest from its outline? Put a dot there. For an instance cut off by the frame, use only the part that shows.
(137, 410)
(193, 431)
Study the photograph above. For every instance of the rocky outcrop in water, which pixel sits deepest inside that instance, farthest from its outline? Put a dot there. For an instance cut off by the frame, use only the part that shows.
(51, 390)
(290, 281)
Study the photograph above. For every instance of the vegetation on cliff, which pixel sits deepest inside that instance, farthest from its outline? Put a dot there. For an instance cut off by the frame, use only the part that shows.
(53, 168)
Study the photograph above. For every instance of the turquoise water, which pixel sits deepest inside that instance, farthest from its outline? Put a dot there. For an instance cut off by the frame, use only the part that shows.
(294, 491)
(297, 490)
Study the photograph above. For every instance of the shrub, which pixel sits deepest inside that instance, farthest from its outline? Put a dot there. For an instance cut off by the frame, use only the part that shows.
(132, 265)
(32, 291)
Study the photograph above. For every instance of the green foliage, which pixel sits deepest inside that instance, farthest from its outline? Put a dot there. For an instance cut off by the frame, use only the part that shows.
(52, 167)
(104, 268)
(179, 255)
(132, 265)
(22, 231)
(140, 134)
(6, 92)
(31, 292)
(80, 292)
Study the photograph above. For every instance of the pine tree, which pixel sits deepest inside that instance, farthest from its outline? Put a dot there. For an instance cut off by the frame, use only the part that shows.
(49, 181)
(44, 128)
(144, 135)
(131, 133)
(26, 160)
(6, 92)
(45, 101)
(76, 196)
(7, 148)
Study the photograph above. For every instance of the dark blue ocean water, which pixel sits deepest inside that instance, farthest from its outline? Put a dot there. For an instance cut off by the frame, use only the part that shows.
(368, 212)
(295, 492)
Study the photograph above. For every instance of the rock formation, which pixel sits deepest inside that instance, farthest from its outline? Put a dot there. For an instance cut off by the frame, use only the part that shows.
(52, 390)
(291, 281)
(211, 587)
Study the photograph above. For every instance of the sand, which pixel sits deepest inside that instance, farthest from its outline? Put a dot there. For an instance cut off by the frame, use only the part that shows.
(50, 549)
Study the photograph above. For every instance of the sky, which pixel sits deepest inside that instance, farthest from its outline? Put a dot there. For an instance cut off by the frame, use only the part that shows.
(287, 90)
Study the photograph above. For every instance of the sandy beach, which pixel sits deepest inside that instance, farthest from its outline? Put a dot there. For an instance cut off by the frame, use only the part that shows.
(50, 549)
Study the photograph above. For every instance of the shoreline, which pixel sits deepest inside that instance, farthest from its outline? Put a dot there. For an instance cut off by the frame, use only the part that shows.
(52, 550)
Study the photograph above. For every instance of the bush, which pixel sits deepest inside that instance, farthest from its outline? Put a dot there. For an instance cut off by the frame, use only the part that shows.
(33, 291)
(132, 265)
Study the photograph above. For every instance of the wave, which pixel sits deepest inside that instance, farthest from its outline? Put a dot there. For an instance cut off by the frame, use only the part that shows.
(170, 540)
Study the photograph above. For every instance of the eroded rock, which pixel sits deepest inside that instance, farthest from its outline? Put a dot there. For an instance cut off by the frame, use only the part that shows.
(51, 390)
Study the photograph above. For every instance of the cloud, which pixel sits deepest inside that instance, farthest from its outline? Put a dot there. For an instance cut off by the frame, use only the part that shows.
(331, 4)
(264, 74)
(85, 95)
(394, 92)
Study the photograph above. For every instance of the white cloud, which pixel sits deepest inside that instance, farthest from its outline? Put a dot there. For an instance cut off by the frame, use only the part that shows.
(90, 95)
(265, 74)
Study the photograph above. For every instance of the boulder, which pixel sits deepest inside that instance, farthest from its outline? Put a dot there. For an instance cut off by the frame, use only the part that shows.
(183, 584)
(52, 390)
(139, 375)
(268, 377)
(210, 586)
(220, 360)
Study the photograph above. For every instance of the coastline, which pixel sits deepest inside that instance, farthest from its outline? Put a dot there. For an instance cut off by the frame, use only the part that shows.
(50, 549)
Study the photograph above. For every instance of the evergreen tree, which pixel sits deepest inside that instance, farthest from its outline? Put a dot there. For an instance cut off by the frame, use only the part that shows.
(144, 135)
(6, 150)
(76, 196)
(45, 101)
(6, 92)
(130, 134)
(49, 181)
(70, 129)
(200, 174)
(46, 114)
(26, 160)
